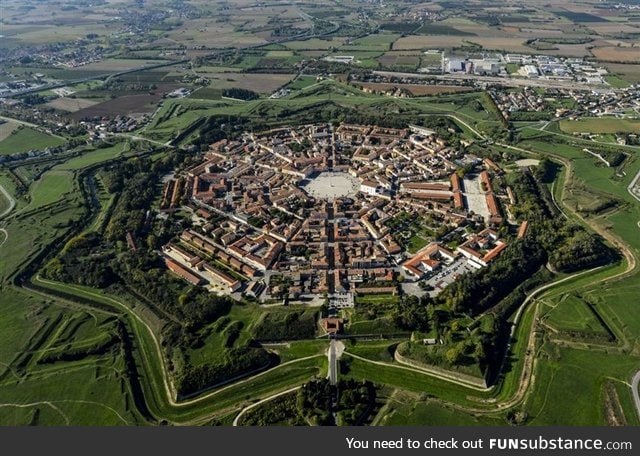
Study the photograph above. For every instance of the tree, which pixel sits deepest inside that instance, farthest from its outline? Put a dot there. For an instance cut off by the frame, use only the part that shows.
(454, 354)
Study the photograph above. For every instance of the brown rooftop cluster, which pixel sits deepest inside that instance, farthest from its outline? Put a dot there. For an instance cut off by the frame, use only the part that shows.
(255, 215)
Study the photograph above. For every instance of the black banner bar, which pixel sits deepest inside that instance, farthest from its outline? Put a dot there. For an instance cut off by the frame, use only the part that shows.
(326, 441)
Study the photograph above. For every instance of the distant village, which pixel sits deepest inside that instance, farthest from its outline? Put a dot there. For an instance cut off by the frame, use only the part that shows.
(322, 212)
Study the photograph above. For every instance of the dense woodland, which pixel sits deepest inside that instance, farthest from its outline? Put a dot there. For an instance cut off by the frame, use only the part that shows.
(312, 405)
(237, 363)
(240, 94)
(294, 325)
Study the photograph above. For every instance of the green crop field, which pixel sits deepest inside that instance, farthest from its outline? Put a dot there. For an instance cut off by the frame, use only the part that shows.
(26, 139)
(616, 81)
(600, 125)
(313, 43)
(377, 42)
(301, 82)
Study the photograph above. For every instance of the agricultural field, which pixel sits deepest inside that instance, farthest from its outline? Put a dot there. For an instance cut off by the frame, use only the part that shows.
(24, 139)
(131, 105)
(617, 54)
(6, 128)
(43, 34)
(600, 125)
(415, 42)
(213, 35)
(301, 82)
(260, 83)
(71, 104)
(392, 59)
(627, 72)
(377, 42)
(616, 81)
(115, 65)
(315, 44)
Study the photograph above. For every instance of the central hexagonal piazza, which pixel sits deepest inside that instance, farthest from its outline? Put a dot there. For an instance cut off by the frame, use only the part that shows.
(320, 209)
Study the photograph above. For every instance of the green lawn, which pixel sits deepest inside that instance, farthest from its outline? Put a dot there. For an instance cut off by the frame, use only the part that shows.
(25, 139)
(581, 373)
(573, 314)
(91, 157)
(434, 414)
(416, 382)
(378, 299)
(616, 81)
(4, 203)
(301, 82)
(30, 234)
(51, 187)
(212, 350)
(416, 243)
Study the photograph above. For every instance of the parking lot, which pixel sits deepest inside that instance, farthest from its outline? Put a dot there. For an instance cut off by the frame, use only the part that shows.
(440, 279)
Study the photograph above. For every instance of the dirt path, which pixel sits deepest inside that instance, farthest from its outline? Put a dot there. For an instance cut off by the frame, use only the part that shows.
(12, 202)
(266, 399)
(633, 183)
(634, 389)
(33, 126)
(34, 404)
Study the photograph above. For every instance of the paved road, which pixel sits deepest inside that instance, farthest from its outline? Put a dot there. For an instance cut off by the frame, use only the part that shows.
(333, 363)
(334, 353)
(634, 389)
